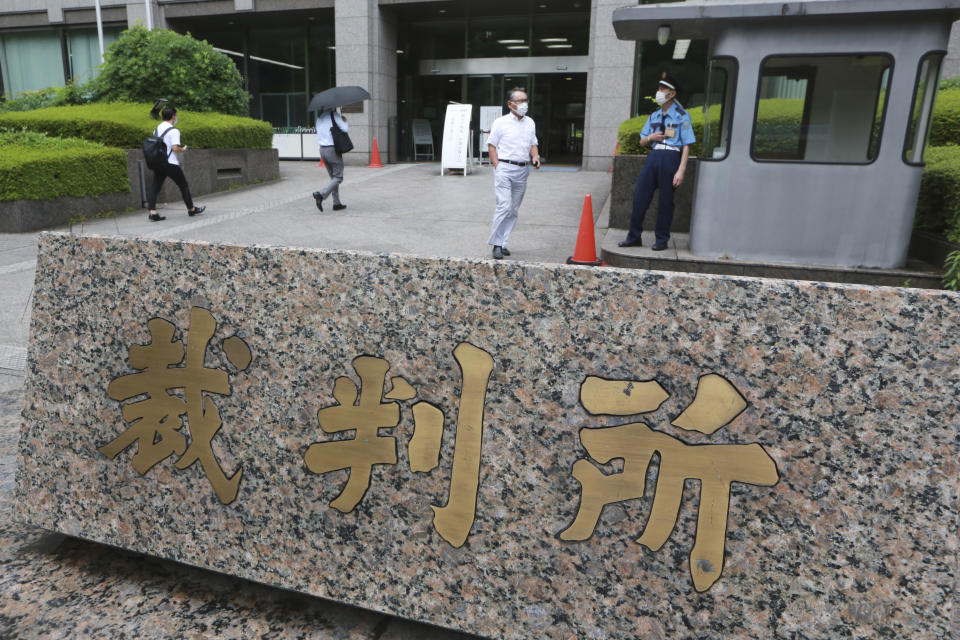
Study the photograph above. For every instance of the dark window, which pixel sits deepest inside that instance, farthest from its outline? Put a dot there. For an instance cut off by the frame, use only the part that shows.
(718, 108)
(826, 109)
(924, 95)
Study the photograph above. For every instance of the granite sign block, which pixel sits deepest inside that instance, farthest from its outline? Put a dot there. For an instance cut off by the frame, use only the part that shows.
(511, 449)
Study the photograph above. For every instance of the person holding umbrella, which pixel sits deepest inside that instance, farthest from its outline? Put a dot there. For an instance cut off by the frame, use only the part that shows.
(332, 159)
(332, 137)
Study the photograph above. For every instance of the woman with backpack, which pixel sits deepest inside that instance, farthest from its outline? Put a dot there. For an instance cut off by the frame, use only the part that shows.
(170, 135)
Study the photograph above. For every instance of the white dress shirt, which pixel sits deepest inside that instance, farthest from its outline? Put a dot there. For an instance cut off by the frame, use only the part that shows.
(324, 137)
(171, 139)
(513, 137)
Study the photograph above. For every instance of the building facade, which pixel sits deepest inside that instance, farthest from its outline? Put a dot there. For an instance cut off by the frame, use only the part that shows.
(413, 56)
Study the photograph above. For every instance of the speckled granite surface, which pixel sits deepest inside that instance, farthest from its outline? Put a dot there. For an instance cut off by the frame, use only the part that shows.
(850, 391)
(54, 586)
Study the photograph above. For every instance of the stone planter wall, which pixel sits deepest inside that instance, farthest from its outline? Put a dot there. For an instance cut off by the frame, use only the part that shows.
(207, 171)
(626, 169)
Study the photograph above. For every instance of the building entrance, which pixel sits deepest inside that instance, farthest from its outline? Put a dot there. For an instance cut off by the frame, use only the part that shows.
(471, 52)
(557, 103)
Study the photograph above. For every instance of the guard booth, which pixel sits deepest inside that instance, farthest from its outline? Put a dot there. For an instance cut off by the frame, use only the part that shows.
(817, 116)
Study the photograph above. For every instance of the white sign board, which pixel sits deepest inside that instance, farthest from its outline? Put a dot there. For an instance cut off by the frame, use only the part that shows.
(288, 145)
(456, 138)
(487, 116)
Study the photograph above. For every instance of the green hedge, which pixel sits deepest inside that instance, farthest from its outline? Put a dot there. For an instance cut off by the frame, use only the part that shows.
(780, 119)
(945, 124)
(36, 167)
(629, 133)
(126, 124)
(938, 208)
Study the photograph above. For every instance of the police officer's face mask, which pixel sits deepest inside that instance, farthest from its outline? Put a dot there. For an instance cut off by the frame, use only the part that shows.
(661, 97)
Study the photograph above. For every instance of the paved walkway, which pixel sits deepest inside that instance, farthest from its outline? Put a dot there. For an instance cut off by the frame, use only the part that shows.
(57, 587)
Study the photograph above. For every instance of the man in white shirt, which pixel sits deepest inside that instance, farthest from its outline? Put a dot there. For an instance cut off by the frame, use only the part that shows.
(512, 146)
(171, 136)
(332, 160)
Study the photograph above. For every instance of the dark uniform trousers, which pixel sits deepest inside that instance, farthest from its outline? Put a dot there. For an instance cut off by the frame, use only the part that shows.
(657, 173)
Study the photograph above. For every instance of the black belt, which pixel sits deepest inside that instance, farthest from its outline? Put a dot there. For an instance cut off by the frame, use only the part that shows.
(519, 164)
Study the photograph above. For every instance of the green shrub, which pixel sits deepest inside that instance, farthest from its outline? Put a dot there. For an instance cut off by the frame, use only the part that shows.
(50, 97)
(142, 66)
(629, 133)
(780, 119)
(951, 271)
(953, 82)
(938, 207)
(127, 124)
(945, 123)
(36, 167)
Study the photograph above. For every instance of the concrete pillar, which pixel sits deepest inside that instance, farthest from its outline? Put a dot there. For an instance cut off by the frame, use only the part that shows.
(366, 40)
(609, 86)
(951, 64)
(137, 14)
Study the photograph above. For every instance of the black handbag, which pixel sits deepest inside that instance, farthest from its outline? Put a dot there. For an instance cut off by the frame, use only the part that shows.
(341, 141)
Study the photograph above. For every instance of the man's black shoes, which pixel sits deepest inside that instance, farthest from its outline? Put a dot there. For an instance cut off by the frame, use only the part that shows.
(498, 253)
(156, 217)
(504, 251)
(630, 243)
(196, 211)
(319, 198)
(660, 246)
(339, 207)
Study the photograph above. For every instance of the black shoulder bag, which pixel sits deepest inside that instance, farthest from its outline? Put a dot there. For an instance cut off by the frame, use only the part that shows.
(341, 141)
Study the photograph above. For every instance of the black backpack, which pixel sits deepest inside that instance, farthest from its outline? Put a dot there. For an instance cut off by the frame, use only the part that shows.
(155, 150)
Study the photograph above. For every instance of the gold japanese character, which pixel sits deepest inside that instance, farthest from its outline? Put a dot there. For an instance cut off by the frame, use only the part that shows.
(367, 416)
(715, 465)
(157, 420)
(365, 413)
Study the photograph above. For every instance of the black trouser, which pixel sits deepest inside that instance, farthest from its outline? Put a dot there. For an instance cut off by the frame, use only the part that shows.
(175, 173)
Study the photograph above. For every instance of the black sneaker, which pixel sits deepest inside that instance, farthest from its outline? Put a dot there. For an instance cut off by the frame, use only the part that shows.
(319, 198)
(504, 251)
(196, 211)
(156, 217)
(498, 253)
(339, 207)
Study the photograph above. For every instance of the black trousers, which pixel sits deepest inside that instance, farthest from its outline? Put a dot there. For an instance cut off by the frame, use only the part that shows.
(657, 173)
(175, 173)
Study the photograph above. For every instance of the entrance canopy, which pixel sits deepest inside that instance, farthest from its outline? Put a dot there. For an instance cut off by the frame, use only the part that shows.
(816, 118)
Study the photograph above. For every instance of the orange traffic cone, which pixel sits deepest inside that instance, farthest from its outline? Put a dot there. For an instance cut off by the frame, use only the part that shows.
(375, 157)
(616, 152)
(585, 252)
(320, 164)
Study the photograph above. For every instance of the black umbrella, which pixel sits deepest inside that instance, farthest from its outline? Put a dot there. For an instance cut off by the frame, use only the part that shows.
(337, 97)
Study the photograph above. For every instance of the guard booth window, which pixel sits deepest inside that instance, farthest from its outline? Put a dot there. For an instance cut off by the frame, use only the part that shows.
(826, 109)
(718, 108)
(924, 94)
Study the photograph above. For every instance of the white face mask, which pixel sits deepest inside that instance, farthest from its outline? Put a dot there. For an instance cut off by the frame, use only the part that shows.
(522, 109)
(661, 97)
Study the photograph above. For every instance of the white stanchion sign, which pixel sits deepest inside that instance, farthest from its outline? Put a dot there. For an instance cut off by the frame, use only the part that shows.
(487, 116)
(456, 138)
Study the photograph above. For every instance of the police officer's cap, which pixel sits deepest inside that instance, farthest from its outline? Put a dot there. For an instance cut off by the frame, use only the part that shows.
(667, 80)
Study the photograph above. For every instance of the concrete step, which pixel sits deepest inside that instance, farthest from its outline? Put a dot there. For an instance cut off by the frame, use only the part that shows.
(677, 257)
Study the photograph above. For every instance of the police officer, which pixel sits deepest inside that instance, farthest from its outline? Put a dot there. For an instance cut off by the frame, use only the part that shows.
(670, 133)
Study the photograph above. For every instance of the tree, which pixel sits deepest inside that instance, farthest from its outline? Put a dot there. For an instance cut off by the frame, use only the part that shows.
(142, 66)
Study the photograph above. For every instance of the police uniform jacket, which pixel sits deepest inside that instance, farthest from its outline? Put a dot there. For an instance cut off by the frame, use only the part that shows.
(675, 118)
